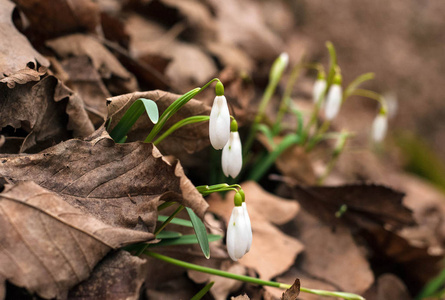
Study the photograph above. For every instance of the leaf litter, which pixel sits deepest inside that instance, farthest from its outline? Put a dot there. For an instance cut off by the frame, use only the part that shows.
(51, 104)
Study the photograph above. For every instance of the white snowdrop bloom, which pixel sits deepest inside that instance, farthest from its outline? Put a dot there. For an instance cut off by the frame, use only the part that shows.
(238, 238)
(219, 123)
(318, 90)
(333, 101)
(232, 157)
(249, 227)
(379, 128)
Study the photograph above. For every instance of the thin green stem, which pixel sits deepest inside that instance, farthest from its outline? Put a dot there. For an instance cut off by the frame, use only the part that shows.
(183, 122)
(165, 205)
(262, 166)
(190, 266)
(318, 136)
(166, 222)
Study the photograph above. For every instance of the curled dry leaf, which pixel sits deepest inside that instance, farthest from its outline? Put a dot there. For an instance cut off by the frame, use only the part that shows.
(189, 139)
(119, 184)
(103, 60)
(48, 246)
(56, 17)
(23, 76)
(48, 110)
(272, 251)
(119, 275)
(292, 292)
(16, 52)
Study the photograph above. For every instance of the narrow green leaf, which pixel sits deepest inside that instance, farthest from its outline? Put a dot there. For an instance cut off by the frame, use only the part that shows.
(203, 291)
(200, 231)
(176, 221)
(186, 239)
(130, 117)
(168, 235)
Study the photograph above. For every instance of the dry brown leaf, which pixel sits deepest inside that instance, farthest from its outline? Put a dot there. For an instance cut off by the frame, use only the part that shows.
(241, 24)
(189, 139)
(119, 184)
(16, 52)
(119, 275)
(52, 18)
(103, 60)
(292, 292)
(23, 76)
(364, 204)
(388, 287)
(84, 79)
(331, 256)
(240, 297)
(48, 110)
(272, 251)
(48, 246)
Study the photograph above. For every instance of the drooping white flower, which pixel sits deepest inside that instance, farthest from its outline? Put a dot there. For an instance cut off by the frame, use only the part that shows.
(318, 90)
(238, 237)
(219, 123)
(379, 127)
(232, 157)
(249, 227)
(333, 101)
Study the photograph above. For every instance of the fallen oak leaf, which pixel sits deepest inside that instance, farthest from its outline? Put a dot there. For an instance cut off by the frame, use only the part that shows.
(292, 292)
(119, 184)
(47, 245)
(119, 275)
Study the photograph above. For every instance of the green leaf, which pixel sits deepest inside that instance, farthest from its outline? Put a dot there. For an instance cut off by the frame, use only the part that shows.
(130, 117)
(186, 240)
(203, 291)
(168, 235)
(201, 233)
(176, 221)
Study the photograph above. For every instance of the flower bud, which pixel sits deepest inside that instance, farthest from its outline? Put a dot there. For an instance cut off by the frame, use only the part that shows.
(278, 67)
(232, 157)
(379, 127)
(319, 88)
(334, 98)
(219, 123)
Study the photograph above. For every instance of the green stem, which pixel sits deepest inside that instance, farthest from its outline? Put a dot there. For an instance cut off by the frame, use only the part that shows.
(249, 279)
(183, 122)
(166, 222)
(319, 133)
(264, 165)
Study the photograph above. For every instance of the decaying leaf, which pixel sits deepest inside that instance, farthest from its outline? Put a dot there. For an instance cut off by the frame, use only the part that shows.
(48, 246)
(117, 183)
(119, 275)
(388, 287)
(103, 60)
(48, 110)
(331, 256)
(56, 17)
(189, 139)
(292, 292)
(364, 203)
(23, 76)
(16, 52)
(272, 251)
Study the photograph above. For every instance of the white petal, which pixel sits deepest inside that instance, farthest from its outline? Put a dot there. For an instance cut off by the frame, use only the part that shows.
(237, 235)
(379, 128)
(319, 87)
(333, 101)
(249, 227)
(232, 156)
(219, 123)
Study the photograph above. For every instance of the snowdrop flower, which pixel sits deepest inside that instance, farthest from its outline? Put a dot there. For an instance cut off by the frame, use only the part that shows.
(319, 87)
(379, 127)
(232, 157)
(249, 227)
(278, 67)
(219, 123)
(334, 99)
(239, 232)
